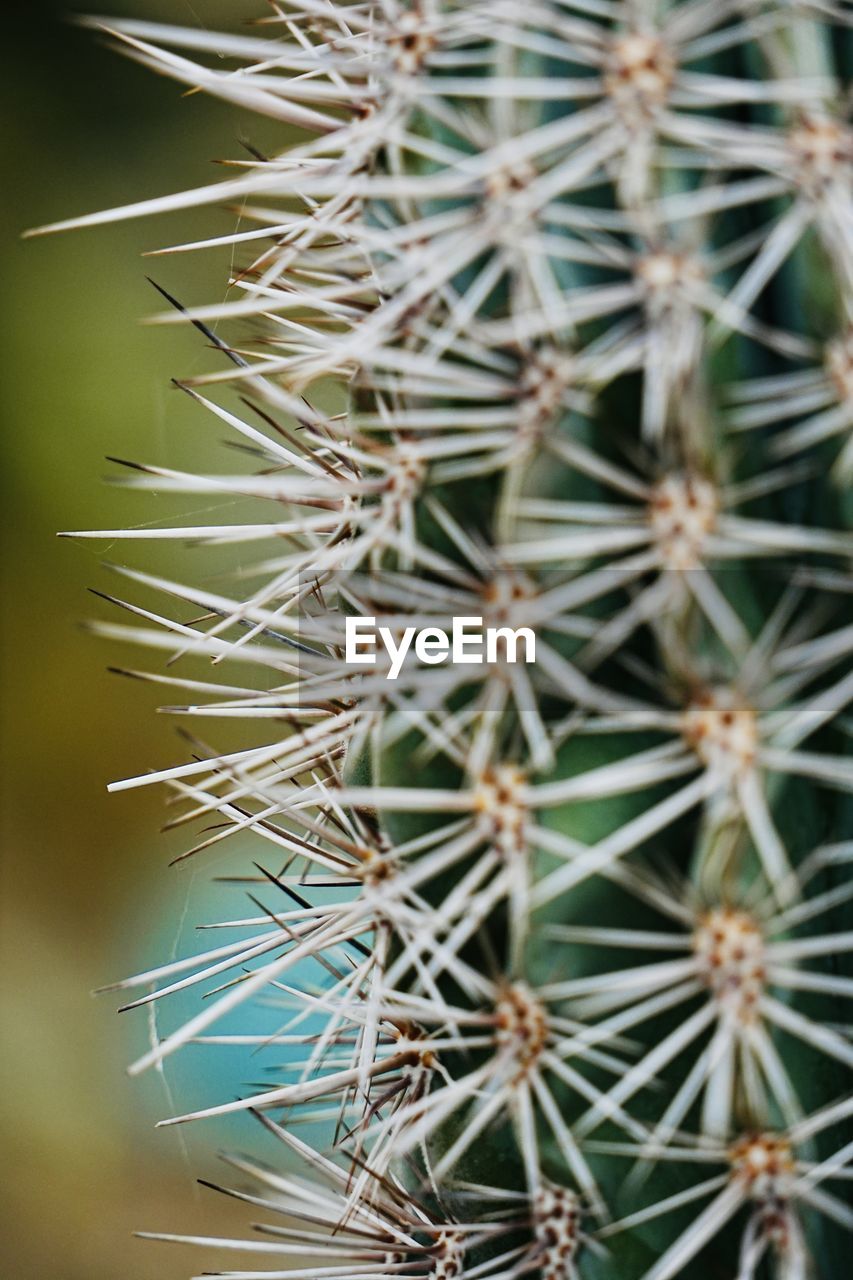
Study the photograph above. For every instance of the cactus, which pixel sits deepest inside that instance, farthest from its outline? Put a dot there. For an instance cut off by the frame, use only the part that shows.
(540, 316)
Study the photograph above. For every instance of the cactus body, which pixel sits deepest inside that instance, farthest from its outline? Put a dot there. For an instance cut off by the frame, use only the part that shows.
(542, 317)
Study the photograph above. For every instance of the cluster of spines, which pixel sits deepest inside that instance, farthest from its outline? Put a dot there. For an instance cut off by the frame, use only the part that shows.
(529, 241)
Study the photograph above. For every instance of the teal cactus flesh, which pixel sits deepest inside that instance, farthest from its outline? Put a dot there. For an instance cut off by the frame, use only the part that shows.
(540, 316)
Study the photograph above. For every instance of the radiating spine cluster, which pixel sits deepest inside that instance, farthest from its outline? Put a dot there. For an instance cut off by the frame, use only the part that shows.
(542, 316)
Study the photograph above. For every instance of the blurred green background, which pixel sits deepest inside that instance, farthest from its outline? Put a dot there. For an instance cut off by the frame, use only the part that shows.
(87, 895)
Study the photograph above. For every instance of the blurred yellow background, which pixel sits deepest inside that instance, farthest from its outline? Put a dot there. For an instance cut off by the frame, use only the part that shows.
(87, 894)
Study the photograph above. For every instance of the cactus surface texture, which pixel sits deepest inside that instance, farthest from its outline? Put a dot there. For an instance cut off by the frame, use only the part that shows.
(540, 314)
